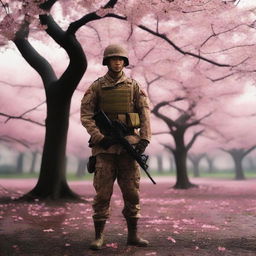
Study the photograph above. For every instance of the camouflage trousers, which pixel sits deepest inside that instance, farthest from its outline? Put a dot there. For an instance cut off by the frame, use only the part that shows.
(111, 167)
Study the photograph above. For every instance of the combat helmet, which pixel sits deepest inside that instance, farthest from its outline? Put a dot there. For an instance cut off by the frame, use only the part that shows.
(115, 50)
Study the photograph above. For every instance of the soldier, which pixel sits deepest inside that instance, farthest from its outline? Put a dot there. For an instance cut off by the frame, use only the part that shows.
(122, 99)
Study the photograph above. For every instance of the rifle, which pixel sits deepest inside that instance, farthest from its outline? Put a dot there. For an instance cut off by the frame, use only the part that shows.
(118, 130)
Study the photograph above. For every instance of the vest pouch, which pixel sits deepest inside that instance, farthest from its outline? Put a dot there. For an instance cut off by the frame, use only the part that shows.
(122, 118)
(133, 120)
(91, 164)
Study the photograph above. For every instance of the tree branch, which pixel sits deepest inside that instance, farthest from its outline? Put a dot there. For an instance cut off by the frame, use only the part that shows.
(36, 61)
(170, 148)
(177, 48)
(198, 121)
(170, 123)
(220, 78)
(177, 108)
(182, 119)
(110, 4)
(69, 43)
(9, 139)
(160, 133)
(189, 145)
(249, 150)
(151, 82)
(5, 6)
(21, 118)
(47, 5)
(93, 16)
(32, 109)
(19, 85)
(74, 26)
(214, 34)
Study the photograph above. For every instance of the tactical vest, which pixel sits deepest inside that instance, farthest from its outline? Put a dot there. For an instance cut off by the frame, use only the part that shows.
(117, 99)
(118, 103)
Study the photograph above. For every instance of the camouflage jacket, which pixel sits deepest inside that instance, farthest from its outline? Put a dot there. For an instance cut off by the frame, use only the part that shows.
(89, 105)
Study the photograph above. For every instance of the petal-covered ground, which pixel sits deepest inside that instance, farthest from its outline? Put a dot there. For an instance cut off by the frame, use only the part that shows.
(217, 218)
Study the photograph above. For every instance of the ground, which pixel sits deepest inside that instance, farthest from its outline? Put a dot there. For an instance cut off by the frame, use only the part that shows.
(217, 218)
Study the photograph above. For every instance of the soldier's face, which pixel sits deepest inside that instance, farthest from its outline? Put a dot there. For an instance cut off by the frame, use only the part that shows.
(116, 64)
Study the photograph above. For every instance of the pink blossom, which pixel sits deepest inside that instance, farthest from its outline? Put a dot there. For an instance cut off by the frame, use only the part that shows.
(48, 230)
(221, 249)
(112, 245)
(171, 239)
(210, 227)
(186, 221)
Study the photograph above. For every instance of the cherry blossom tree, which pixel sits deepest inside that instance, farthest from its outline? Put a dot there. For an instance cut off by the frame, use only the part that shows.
(196, 159)
(236, 123)
(194, 111)
(238, 154)
(20, 19)
(250, 163)
(210, 161)
(177, 128)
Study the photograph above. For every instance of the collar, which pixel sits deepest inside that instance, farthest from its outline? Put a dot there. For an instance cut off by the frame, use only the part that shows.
(110, 82)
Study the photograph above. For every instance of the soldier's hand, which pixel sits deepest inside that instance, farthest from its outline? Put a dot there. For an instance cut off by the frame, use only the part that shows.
(106, 142)
(141, 146)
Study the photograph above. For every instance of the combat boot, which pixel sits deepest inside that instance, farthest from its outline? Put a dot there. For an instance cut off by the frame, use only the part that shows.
(99, 237)
(133, 238)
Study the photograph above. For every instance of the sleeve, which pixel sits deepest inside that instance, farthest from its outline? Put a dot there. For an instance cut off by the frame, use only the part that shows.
(142, 106)
(88, 106)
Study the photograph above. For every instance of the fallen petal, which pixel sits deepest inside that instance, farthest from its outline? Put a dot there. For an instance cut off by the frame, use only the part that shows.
(171, 239)
(48, 230)
(112, 245)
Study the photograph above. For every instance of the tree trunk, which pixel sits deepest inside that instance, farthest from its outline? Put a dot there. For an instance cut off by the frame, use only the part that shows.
(52, 182)
(196, 169)
(171, 160)
(182, 181)
(210, 164)
(180, 156)
(195, 160)
(81, 168)
(251, 164)
(238, 156)
(20, 162)
(33, 163)
(159, 164)
(239, 172)
(52, 179)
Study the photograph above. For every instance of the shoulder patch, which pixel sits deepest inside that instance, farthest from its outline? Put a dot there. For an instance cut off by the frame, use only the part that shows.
(143, 93)
(87, 92)
(97, 80)
(129, 80)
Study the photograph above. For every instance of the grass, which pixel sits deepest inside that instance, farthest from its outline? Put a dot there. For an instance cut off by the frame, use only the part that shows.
(220, 174)
(223, 174)
(17, 176)
(70, 176)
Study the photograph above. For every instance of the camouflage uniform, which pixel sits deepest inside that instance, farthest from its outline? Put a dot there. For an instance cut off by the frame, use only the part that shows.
(114, 163)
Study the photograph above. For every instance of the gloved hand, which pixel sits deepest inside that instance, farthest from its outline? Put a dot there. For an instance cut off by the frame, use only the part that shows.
(141, 146)
(106, 142)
